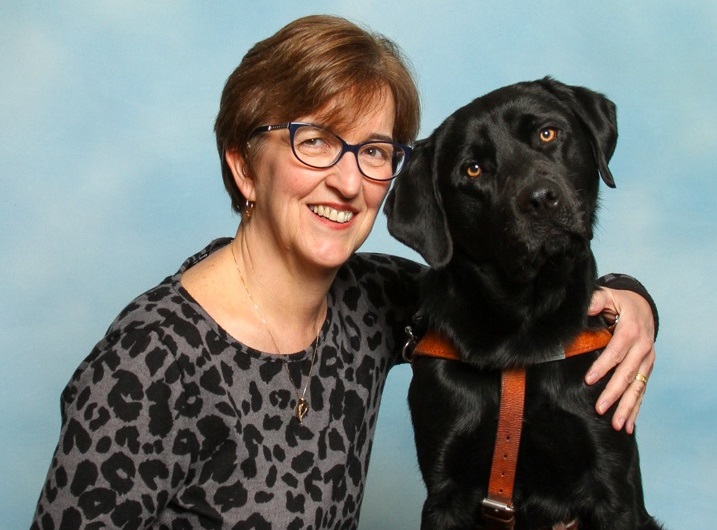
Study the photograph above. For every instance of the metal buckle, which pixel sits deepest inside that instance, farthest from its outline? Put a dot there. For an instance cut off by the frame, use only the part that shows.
(499, 513)
(411, 341)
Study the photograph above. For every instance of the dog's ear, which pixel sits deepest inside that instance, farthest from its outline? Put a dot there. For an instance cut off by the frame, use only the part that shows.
(598, 114)
(414, 210)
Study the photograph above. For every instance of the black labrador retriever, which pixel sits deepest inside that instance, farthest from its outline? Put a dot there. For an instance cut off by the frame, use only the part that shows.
(501, 202)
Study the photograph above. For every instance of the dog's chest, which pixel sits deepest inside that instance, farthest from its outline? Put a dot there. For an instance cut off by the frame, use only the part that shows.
(458, 417)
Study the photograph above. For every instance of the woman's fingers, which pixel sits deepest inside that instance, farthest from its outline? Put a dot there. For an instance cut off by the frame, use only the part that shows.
(630, 352)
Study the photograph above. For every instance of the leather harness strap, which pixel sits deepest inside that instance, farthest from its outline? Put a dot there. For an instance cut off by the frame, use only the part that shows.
(498, 505)
(434, 345)
(498, 510)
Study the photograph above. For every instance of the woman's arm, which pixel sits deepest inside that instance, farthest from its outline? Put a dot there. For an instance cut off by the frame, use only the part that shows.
(115, 464)
(631, 350)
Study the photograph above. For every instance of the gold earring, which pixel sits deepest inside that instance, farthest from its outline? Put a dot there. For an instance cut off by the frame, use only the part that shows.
(249, 209)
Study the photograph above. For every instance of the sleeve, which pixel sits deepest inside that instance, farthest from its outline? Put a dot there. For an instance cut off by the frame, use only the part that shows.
(120, 456)
(628, 283)
(402, 288)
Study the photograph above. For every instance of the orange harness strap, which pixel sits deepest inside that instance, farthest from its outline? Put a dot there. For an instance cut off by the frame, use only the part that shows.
(433, 345)
(498, 508)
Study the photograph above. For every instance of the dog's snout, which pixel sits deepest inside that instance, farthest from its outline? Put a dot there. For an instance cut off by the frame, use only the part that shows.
(542, 198)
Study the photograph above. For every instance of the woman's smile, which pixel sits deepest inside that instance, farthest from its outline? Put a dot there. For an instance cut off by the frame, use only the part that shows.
(333, 214)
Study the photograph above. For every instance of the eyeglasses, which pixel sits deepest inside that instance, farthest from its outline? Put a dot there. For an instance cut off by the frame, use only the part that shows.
(319, 148)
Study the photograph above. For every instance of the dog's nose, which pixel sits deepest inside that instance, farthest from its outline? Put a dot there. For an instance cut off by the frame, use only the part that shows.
(542, 198)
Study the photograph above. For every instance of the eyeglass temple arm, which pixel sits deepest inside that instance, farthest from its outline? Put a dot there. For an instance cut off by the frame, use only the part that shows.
(267, 128)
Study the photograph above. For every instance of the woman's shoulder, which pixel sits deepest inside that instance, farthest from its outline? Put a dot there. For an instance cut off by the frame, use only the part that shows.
(132, 355)
(362, 263)
(166, 306)
(152, 308)
(139, 328)
(151, 327)
(378, 281)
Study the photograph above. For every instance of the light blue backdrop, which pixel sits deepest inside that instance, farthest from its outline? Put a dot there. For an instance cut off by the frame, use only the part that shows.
(110, 179)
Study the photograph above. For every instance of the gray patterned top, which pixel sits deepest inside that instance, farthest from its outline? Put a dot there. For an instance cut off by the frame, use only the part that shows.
(171, 423)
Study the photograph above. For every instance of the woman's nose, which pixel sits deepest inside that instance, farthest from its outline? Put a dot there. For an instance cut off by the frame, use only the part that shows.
(346, 176)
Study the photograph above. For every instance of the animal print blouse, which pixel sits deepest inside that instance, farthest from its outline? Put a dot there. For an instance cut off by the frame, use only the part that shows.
(171, 423)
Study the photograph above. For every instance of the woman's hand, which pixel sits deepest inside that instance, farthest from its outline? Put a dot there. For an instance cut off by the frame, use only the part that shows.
(631, 352)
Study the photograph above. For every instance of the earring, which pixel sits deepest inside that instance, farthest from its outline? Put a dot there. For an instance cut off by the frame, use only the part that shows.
(249, 208)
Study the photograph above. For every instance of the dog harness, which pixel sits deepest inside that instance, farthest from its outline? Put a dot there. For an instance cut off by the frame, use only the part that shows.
(498, 510)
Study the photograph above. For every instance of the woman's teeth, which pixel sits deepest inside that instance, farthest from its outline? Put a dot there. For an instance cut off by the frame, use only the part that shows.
(330, 213)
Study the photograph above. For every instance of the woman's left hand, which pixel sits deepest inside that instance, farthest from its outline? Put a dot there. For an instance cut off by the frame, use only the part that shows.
(631, 352)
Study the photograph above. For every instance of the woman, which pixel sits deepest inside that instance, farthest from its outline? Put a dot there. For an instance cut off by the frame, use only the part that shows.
(243, 391)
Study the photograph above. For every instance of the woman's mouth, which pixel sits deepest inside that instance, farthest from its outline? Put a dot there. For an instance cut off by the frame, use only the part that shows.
(332, 214)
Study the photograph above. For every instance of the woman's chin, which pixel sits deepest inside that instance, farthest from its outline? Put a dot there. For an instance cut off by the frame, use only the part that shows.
(332, 256)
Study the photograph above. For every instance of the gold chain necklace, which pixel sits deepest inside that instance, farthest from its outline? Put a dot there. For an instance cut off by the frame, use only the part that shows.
(302, 405)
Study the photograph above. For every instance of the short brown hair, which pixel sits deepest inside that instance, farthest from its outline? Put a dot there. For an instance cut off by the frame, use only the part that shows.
(306, 65)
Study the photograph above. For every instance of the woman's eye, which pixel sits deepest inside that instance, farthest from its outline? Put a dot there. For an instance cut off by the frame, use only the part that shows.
(309, 139)
(377, 152)
(473, 170)
(312, 143)
(548, 134)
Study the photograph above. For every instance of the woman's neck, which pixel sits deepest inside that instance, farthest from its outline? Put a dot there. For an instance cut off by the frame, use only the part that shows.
(287, 295)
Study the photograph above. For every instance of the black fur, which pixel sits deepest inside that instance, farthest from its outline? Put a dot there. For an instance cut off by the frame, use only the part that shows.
(511, 277)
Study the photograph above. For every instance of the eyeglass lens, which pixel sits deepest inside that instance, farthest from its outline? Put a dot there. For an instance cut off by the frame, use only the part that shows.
(321, 148)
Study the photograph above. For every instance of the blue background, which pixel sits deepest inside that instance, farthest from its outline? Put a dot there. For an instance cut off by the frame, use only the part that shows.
(110, 179)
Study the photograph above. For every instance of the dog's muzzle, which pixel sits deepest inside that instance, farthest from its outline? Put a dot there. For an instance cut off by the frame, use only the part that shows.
(543, 198)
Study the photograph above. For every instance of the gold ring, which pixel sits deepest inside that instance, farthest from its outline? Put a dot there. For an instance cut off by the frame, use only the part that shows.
(641, 378)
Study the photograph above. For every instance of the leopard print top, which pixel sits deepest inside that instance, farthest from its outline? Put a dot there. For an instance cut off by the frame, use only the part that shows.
(171, 423)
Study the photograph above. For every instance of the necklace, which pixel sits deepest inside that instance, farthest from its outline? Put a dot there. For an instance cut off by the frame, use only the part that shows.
(302, 405)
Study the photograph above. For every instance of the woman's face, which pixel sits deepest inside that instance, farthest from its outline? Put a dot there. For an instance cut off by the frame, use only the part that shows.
(317, 217)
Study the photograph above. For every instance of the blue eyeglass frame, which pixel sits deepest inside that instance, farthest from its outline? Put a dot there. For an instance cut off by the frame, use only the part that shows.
(293, 126)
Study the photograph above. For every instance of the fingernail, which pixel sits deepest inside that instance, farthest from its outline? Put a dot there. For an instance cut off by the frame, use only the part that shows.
(591, 378)
(601, 407)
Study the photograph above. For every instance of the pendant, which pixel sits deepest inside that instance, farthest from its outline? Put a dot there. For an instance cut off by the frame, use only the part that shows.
(302, 408)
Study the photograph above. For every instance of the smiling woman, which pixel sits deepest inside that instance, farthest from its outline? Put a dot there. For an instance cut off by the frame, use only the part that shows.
(243, 390)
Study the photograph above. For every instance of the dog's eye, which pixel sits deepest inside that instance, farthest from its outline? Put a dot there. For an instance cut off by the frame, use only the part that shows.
(473, 170)
(548, 134)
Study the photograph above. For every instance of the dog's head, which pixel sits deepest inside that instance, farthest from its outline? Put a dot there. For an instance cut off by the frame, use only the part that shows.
(510, 179)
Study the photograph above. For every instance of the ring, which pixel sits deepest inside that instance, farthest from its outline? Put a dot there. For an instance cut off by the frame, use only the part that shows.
(612, 320)
(641, 378)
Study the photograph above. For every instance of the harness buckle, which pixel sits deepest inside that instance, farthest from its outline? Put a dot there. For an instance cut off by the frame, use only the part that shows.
(410, 344)
(498, 514)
